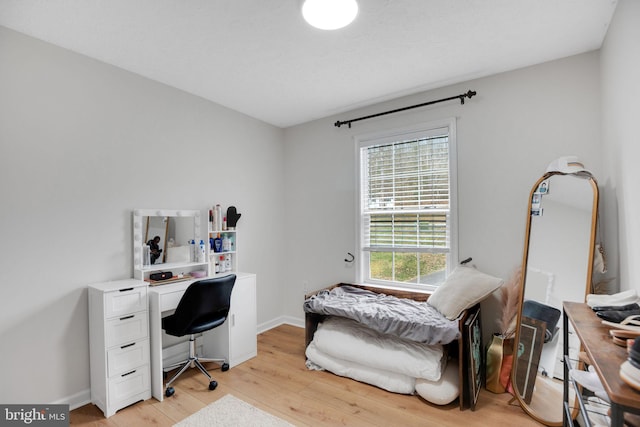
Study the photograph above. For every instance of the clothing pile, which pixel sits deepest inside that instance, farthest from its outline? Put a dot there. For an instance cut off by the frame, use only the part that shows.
(619, 311)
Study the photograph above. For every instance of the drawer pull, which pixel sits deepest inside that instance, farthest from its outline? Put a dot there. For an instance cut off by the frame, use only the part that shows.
(128, 345)
(128, 317)
(129, 373)
(126, 289)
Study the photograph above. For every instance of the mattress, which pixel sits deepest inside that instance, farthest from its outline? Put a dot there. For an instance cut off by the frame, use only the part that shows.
(401, 317)
(349, 340)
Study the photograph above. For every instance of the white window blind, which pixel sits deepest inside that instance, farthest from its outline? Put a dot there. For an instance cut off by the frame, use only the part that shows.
(406, 196)
(407, 205)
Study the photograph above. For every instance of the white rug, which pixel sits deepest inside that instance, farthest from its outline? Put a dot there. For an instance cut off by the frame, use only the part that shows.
(229, 411)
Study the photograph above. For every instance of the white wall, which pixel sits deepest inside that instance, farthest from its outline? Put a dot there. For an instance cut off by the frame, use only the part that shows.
(620, 63)
(506, 136)
(81, 145)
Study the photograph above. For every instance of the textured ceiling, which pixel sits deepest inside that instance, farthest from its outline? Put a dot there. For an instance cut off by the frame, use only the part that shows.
(260, 58)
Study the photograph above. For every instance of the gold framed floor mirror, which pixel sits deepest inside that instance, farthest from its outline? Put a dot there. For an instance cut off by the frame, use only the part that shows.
(556, 266)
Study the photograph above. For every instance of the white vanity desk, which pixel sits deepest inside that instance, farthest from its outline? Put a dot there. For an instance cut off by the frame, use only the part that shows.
(235, 340)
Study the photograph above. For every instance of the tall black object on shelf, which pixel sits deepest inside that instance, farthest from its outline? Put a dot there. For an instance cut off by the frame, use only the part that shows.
(232, 217)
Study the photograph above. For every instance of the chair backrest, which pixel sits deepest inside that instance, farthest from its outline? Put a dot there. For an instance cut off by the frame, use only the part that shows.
(203, 301)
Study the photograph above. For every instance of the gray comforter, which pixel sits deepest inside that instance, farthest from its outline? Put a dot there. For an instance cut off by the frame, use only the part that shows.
(405, 318)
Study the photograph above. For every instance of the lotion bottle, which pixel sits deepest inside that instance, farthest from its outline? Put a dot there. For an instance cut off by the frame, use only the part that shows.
(192, 251)
(202, 252)
(217, 244)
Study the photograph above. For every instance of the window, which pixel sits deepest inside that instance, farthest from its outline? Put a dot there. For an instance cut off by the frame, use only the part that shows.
(407, 199)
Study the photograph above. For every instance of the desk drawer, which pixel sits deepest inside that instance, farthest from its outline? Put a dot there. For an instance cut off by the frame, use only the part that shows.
(127, 357)
(127, 329)
(170, 300)
(126, 300)
(129, 384)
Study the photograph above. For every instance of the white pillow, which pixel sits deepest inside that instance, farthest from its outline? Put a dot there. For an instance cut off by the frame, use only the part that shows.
(464, 288)
(443, 391)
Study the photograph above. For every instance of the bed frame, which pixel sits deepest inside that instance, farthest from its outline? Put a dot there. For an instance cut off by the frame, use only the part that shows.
(461, 346)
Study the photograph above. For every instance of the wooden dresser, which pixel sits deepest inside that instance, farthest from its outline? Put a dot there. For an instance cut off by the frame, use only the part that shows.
(605, 356)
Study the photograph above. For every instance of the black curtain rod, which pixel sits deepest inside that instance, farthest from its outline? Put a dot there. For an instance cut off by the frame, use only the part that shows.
(461, 97)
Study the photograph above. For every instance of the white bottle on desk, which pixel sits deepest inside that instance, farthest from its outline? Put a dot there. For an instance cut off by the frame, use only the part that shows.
(202, 251)
(193, 254)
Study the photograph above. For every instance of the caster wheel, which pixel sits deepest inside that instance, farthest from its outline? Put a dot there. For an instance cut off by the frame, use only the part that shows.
(225, 367)
(213, 384)
(169, 391)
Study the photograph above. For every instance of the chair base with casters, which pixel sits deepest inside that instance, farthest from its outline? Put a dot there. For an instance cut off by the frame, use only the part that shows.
(193, 361)
(204, 306)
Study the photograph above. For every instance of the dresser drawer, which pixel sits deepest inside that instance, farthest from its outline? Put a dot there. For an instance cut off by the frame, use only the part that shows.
(127, 329)
(125, 300)
(129, 384)
(127, 357)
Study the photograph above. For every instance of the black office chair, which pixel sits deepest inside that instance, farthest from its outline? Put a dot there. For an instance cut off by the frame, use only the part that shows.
(203, 306)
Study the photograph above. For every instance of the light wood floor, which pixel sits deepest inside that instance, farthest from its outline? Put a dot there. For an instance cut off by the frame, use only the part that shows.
(278, 382)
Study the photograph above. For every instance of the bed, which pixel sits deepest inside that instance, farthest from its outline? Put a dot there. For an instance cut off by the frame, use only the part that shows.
(396, 340)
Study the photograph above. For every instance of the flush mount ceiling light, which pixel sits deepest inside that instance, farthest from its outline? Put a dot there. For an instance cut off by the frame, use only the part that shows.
(329, 14)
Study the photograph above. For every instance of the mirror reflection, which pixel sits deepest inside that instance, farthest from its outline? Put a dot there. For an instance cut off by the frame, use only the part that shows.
(169, 239)
(171, 230)
(557, 266)
(156, 238)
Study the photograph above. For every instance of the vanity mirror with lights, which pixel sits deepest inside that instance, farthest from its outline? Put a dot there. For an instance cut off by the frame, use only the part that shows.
(174, 230)
(557, 267)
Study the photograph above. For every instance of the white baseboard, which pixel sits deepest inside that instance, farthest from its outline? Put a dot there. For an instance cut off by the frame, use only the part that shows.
(282, 320)
(75, 400)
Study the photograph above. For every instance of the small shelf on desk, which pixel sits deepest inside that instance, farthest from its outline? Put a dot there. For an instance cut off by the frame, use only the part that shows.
(176, 269)
(174, 279)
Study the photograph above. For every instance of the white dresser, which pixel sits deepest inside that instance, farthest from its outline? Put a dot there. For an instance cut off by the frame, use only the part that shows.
(119, 344)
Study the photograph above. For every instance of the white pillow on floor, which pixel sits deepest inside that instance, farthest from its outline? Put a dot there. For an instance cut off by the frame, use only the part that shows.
(443, 391)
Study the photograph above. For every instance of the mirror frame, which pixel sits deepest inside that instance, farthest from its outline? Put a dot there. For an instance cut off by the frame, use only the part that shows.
(139, 232)
(588, 285)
